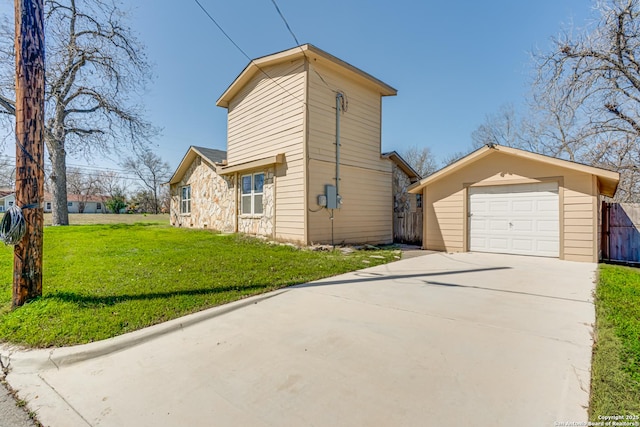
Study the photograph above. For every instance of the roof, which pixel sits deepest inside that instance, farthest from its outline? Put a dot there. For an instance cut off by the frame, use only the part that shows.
(79, 198)
(402, 164)
(608, 179)
(210, 155)
(310, 52)
(5, 192)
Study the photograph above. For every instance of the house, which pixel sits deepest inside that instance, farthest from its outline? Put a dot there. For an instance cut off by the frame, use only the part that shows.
(505, 200)
(77, 203)
(303, 160)
(7, 199)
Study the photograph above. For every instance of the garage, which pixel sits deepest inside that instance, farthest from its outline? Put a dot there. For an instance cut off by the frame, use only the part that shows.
(515, 219)
(510, 201)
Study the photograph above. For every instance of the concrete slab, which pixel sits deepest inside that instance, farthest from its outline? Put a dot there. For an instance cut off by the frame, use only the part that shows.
(434, 340)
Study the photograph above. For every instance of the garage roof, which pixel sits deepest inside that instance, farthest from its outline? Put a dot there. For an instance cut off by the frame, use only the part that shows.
(608, 179)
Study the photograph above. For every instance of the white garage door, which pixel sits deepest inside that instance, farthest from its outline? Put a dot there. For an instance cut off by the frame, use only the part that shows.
(515, 219)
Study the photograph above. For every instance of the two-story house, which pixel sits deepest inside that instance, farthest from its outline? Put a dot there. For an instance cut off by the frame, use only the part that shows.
(303, 160)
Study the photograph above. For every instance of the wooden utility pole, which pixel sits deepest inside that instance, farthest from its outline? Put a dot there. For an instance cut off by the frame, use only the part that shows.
(29, 48)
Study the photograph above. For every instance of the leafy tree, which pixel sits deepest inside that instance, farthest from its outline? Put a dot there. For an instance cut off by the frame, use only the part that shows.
(116, 202)
(95, 72)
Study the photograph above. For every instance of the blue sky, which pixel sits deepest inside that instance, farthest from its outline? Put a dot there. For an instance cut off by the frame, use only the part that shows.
(452, 62)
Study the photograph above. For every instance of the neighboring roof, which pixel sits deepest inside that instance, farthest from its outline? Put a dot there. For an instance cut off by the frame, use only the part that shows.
(78, 198)
(210, 155)
(608, 179)
(402, 164)
(5, 192)
(312, 53)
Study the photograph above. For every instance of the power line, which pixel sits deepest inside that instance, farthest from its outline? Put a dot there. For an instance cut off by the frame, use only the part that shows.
(300, 46)
(251, 61)
(285, 22)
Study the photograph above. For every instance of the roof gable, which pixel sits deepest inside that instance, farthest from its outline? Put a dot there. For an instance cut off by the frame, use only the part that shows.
(304, 51)
(608, 179)
(210, 155)
(403, 165)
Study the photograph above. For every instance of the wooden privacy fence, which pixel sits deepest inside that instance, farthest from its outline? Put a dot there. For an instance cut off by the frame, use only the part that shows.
(620, 232)
(407, 227)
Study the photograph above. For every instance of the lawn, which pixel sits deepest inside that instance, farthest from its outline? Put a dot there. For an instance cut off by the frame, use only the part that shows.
(615, 372)
(102, 218)
(101, 281)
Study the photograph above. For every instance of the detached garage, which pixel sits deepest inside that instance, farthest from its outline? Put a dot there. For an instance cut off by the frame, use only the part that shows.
(504, 200)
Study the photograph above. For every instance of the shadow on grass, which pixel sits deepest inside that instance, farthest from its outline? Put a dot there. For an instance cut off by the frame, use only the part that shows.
(89, 301)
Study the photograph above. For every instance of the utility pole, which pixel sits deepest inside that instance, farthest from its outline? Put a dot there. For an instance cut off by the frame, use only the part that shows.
(29, 109)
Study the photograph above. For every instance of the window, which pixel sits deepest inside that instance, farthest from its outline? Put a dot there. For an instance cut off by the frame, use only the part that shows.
(419, 201)
(69, 204)
(252, 191)
(48, 206)
(185, 200)
(98, 206)
(11, 203)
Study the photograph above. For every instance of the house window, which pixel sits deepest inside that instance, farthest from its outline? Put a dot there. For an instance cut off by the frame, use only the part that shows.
(185, 200)
(98, 206)
(69, 204)
(48, 206)
(252, 192)
(419, 201)
(11, 203)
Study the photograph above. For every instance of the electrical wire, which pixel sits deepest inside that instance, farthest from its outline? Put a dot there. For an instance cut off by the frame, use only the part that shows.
(251, 61)
(300, 46)
(13, 226)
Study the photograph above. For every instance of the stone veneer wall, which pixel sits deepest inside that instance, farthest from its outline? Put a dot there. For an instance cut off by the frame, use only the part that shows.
(213, 202)
(261, 225)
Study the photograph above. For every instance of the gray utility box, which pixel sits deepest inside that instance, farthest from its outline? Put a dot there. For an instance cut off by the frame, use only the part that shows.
(332, 196)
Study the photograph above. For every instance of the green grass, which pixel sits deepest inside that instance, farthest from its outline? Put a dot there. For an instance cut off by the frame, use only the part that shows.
(615, 375)
(105, 280)
(103, 218)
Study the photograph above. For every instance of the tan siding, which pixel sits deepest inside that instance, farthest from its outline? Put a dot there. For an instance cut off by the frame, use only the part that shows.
(444, 202)
(359, 126)
(366, 213)
(266, 118)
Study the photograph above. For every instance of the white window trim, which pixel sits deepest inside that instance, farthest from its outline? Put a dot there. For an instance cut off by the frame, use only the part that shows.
(252, 196)
(183, 200)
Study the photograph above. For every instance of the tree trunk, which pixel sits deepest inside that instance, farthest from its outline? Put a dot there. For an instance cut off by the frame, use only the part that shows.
(59, 209)
(29, 47)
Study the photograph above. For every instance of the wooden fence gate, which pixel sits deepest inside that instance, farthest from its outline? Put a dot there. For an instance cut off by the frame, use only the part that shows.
(620, 232)
(407, 227)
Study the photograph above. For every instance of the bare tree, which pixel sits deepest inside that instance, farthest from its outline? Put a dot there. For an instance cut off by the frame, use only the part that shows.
(85, 186)
(95, 71)
(593, 82)
(503, 128)
(421, 159)
(152, 172)
(7, 172)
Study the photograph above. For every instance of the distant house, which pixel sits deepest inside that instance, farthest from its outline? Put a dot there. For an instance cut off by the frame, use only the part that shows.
(7, 199)
(79, 203)
(303, 160)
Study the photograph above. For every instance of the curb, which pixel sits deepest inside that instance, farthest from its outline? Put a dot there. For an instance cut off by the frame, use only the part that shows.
(38, 359)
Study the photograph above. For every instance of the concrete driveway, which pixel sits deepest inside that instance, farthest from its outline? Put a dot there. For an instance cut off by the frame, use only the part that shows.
(442, 340)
